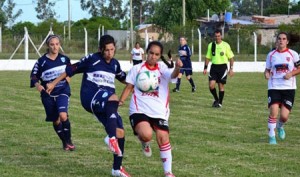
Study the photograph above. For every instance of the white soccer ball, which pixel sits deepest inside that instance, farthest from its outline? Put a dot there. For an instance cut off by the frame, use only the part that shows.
(147, 81)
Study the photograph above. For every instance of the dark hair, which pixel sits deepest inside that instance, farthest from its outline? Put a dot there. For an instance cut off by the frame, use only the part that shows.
(156, 43)
(51, 36)
(218, 31)
(285, 33)
(104, 40)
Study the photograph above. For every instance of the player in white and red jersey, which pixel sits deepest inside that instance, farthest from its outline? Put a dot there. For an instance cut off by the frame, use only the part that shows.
(282, 65)
(149, 111)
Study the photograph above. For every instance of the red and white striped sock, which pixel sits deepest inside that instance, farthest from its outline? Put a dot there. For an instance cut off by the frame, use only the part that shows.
(271, 126)
(166, 156)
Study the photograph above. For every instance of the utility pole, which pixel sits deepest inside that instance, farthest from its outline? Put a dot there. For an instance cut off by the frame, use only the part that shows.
(69, 19)
(262, 8)
(183, 12)
(131, 24)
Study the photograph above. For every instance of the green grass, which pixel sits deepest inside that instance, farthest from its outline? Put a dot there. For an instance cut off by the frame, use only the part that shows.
(231, 141)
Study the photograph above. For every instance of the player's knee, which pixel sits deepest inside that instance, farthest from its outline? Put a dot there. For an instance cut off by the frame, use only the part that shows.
(113, 97)
(120, 133)
(63, 116)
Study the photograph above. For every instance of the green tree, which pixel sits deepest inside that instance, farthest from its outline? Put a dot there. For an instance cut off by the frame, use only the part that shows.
(113, 9)
(44, 11)
(6, 12)
(142, 11)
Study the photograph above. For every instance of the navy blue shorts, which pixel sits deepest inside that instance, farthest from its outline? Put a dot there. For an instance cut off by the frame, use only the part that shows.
(96, 104)
(54, 105)
(186, 68)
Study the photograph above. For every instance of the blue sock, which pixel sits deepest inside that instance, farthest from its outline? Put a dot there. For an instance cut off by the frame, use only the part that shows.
(67, 129)
(118, 160)
(59, 131)
(178, 83)
(192, 82)
(111, 116)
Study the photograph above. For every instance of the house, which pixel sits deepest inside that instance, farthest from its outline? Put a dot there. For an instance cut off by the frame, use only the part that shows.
(153, 31)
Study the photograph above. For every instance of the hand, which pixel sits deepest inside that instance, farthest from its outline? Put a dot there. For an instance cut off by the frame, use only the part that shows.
(179, 63)
(121, 103)
(267, 75)
(204, 71)
(288, 76)
(50, 87)
(40, 88)
(231, 72)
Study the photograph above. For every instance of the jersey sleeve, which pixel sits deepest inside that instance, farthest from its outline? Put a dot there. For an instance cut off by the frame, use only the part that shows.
(131, 76)
(229, 52)
(35, 74)
(268, 61)
(78, 67)
(120, 75)
(208, 53)
(166, 72)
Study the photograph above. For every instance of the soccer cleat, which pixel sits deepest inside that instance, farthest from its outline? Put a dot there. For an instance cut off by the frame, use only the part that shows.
(175, 90)
(146, 149)
(121, 172)
(281, 133)
(169, 174)
(215, 104)
(272, 140)
(114, 146)
(106, 140)
(218, 105)
(68, 146)
(193, 89)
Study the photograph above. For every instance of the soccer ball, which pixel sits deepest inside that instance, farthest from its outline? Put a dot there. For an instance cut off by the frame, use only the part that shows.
(147, 81)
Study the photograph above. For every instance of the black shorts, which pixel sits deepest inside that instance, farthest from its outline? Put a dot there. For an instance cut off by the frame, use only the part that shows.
(135, 62)
(281, 97)
(218, 73)
(155, 123)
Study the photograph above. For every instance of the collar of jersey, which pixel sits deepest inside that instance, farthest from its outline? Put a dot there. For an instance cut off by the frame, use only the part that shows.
(283, 50)
(151, 69)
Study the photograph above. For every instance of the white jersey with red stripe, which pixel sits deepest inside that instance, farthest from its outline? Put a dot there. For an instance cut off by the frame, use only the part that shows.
(279, 63)
(154, 104)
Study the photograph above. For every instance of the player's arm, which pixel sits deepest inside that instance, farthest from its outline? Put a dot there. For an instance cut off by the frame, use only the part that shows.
(126, 92)
(205, 66)
(176, 70)
(51, 85)
(294, 72)
(231, 61)
(267, 73)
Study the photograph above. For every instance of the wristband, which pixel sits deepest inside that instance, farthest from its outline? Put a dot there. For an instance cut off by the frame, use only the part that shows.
(205, 66)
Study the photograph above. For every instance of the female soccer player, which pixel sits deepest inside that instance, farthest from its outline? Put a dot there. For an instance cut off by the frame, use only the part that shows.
(98, 94)
(282, 65)
(137, 54)
(46, 69)
(150, 111)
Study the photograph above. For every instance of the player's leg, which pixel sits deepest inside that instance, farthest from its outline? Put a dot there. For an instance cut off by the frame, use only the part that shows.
(177, 88)
(117, 169)
(222, 78)
(288, 97)
(190, 79)
(62, 102)
(163, 140)
(212, 79)
(53, 116)
(143, 130)
(274, 99)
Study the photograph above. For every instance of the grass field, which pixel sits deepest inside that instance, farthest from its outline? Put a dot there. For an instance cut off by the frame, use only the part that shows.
(230, 142)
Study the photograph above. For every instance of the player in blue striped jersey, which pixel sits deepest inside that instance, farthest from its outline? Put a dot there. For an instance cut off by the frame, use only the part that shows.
(46, 69)
(185, 54)
(98, 94)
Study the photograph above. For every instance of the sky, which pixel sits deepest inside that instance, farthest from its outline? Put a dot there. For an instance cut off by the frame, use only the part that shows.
(61, 9)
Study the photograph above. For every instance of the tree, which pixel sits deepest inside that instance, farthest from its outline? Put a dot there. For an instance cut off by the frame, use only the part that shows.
(6, 12)
(44, 11)
(100, 8)
(142, 11)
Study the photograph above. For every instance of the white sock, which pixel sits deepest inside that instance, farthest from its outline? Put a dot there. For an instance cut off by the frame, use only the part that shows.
(166, 157)
(271, 126)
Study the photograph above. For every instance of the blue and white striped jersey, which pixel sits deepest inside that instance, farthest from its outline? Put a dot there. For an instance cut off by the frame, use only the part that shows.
(46, 70)
(97, 73)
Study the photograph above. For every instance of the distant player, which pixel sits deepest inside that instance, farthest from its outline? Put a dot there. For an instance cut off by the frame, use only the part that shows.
(46, 69)
(98, 95)
(137, 54)
(149, 111)
(282, 65)
(185, 54)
